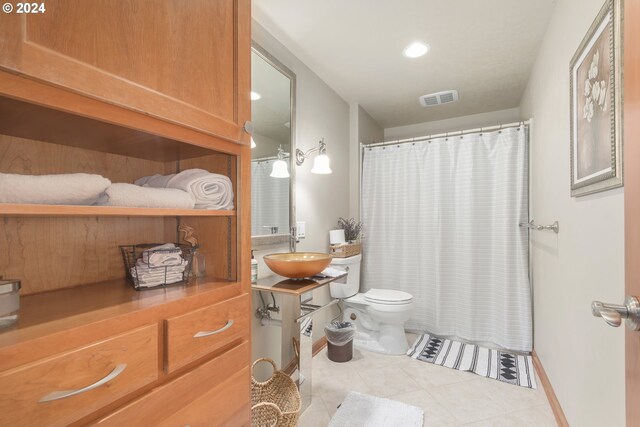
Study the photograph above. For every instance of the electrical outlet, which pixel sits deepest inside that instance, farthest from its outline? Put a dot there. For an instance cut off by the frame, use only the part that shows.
(300, 229)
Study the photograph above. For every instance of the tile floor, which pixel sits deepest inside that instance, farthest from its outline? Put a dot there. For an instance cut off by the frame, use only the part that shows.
(448, 397)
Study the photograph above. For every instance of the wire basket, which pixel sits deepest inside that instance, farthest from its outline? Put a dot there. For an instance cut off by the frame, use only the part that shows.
(151, 265)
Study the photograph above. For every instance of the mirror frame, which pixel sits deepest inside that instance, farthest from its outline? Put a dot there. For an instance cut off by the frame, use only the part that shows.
(271, 239)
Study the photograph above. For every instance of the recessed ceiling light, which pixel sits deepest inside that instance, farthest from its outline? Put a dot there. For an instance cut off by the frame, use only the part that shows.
(255, 96)
(415, 50)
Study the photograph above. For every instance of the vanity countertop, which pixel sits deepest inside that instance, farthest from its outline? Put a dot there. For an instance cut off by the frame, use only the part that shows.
(295, 287)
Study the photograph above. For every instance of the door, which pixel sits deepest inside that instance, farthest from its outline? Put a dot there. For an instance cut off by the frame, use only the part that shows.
(632, 198)
(187, 62)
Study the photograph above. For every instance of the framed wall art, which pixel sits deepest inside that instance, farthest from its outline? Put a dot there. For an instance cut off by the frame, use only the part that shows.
(596, 105)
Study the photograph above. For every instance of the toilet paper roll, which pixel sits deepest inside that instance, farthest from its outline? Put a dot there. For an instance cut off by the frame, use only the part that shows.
(336, 237)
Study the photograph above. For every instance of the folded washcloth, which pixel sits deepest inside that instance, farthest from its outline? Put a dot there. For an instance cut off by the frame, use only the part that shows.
(142, 267)
(331, 272)
(163, 255)
(155, 276)
(159, 282)
(141, 197)
(63, 189)
(208, 190)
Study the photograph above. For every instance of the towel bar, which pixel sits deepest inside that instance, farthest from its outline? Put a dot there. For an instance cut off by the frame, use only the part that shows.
(555, 227)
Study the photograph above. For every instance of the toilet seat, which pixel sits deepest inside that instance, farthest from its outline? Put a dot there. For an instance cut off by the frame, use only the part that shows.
(388, 297)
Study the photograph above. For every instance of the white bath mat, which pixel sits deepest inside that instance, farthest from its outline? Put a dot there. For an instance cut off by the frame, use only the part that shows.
(362, 410)
(503, 366)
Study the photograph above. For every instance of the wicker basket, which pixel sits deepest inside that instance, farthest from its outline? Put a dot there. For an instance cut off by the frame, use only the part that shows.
(275, 402)
(345, 250)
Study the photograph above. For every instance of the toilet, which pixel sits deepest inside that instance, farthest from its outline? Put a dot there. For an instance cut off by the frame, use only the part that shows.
(379, 314)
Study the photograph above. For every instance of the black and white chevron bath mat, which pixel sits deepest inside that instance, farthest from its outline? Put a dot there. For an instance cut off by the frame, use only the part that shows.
(503, 366)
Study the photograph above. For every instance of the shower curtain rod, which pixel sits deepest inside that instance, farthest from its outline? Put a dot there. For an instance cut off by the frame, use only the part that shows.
(446, 134)
(266, 159)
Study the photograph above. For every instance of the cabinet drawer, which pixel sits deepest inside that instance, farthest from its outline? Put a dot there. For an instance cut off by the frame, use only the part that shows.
(179, 402)
(90, 377)
(197, 333)
(220, 407)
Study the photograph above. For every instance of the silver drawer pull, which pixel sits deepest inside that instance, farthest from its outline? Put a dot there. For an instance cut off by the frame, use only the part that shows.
(56, 395)
(217, 331)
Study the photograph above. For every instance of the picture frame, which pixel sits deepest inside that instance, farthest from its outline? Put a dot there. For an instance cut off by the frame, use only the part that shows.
(595, 90)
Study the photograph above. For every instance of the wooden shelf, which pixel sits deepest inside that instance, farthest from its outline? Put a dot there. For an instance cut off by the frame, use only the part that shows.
(295, 287)
(127, 133)
(7, 209)
(113, 304)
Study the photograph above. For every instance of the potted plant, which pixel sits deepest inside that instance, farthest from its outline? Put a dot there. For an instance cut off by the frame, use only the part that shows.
(351, 227)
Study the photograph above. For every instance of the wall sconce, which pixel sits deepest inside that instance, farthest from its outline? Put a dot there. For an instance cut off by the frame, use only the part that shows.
(248, 128)
(320, 163)
(280, 169)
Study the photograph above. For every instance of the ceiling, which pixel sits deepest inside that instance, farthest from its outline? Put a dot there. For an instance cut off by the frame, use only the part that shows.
(484, 49)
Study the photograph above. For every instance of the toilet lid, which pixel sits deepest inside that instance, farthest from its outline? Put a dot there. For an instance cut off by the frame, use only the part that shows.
(388, 296)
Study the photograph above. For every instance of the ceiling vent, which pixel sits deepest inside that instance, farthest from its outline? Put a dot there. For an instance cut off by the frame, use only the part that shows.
(439, 98)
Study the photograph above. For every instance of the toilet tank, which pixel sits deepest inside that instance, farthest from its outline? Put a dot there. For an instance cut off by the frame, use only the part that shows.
(349, 286)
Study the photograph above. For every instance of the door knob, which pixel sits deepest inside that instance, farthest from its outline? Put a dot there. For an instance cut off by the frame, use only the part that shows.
(614, 313)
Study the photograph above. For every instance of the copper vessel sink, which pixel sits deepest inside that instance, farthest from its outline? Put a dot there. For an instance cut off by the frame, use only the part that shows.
(296, 265)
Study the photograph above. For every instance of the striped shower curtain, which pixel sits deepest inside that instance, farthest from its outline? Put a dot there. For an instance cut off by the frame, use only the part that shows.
(269, 200)
(441, 222)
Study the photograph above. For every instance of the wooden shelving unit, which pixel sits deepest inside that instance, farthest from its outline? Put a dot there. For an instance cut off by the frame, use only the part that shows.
(28, 210)
(94, 108)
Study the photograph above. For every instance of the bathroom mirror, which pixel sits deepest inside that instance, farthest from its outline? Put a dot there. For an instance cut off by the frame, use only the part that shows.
(272, 172)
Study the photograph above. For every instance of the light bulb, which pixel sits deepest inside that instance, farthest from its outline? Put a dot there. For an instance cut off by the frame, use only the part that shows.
(415, 50)
(279, 169)
(321, 165)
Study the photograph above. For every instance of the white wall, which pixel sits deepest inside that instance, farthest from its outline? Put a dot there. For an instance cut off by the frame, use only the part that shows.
(363, 129)
(320, 199)
(583, 357)
(455, 124)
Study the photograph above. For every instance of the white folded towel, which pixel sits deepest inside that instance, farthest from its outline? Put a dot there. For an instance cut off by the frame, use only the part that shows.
(163, 255)
(155, 276)
(331, 272)
(141, 197)
(209, 190)
(63, 189)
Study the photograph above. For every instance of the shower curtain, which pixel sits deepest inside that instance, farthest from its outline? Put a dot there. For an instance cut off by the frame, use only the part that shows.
(269, 200)
(441, 222)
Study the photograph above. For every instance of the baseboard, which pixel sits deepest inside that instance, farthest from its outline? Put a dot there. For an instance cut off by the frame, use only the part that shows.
(551, 395)
(317, 348)
(319, 345)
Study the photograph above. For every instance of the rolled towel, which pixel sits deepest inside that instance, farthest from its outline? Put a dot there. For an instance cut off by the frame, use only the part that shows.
(209, 190)
(163, 255)
(142, 197)
(62, 189)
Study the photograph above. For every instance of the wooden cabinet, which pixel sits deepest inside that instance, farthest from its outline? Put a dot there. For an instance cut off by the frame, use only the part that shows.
(56, 391)
(124, 89)
(182, 61)
(211, 393)
(194, 334)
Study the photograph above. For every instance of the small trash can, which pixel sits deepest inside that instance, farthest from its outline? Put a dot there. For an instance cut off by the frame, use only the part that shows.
(340, 341)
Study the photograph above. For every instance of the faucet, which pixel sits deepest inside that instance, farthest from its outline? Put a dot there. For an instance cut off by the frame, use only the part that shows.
(272, 228)
(293, 238)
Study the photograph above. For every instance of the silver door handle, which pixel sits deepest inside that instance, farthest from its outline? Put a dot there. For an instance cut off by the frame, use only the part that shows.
(217, 331)
(56, 395)
(614, 313)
